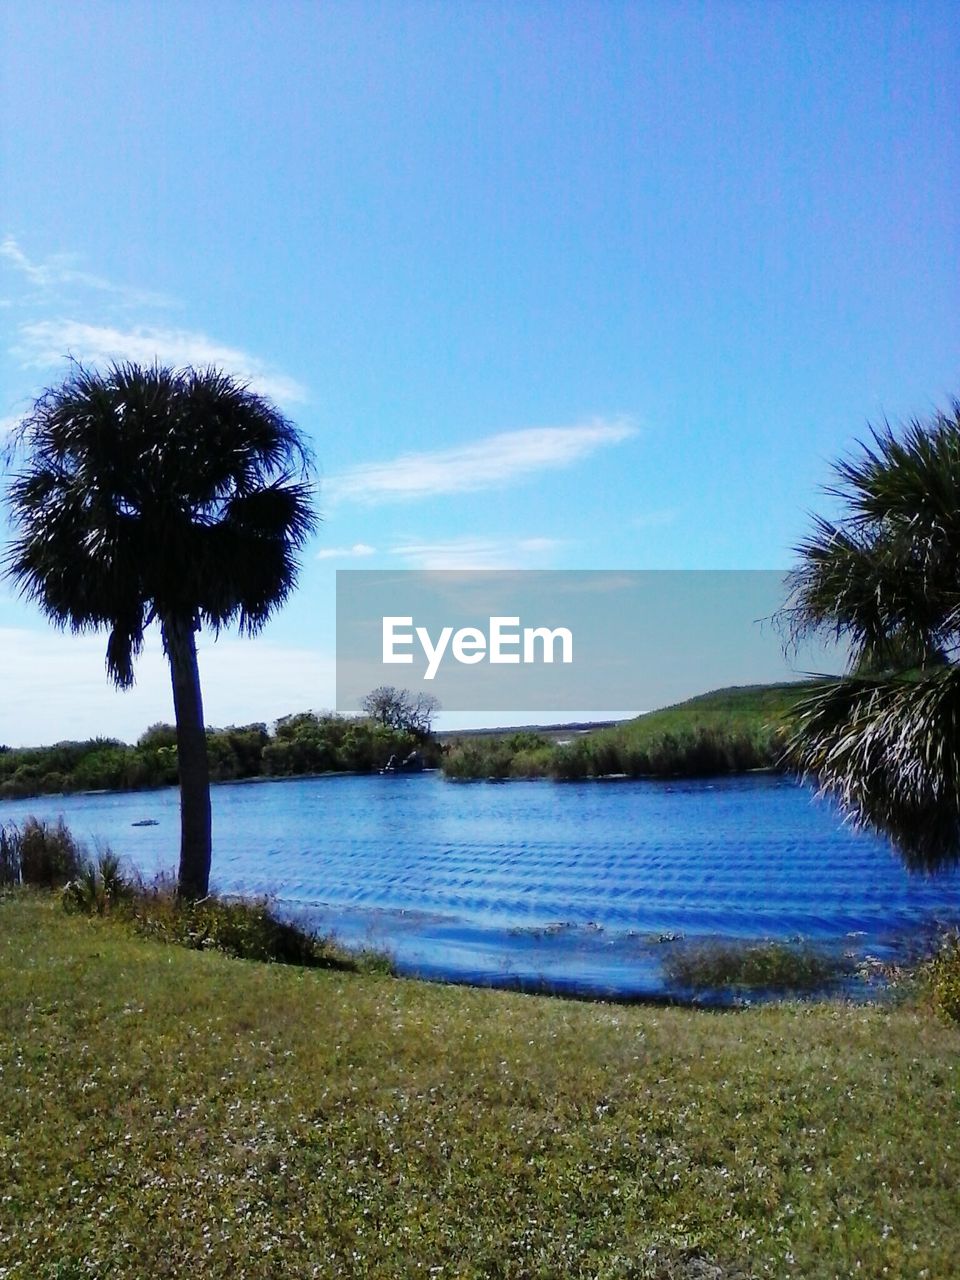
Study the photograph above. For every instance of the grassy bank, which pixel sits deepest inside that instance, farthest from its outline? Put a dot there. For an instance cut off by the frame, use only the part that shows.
(726, 731)
(166, 1112)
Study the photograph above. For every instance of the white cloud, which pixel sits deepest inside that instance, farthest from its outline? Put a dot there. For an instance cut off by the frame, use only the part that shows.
(490, 463)
(47, 342)
(58, 270)
(475, 553)
(58, 286)
(359, 549)
(57, 686)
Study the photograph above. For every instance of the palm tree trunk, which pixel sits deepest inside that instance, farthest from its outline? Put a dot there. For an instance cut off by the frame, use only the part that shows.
(195, 846)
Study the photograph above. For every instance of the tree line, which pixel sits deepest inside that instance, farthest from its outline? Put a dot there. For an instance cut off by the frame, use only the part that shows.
(300, 744)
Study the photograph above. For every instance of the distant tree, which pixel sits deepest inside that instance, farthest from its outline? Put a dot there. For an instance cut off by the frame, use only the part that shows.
(885, 578)
(400, 709)
(149, 493)
(157, 736)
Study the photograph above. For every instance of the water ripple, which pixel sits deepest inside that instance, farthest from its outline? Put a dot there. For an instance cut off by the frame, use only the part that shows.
(537, 882)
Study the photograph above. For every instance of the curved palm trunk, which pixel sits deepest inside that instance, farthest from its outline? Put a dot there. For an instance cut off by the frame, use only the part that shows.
(194, 877)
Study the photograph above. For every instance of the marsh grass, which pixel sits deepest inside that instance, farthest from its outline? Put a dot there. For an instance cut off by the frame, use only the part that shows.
(46, 855)
(728, 731)
(40, 853)
(245, 928)
(770, 967)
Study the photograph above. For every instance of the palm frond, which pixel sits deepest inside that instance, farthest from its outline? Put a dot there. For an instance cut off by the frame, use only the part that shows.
(887, 752)
(886, 579)
(151, 491)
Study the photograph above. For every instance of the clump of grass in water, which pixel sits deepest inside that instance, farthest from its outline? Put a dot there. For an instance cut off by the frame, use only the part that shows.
(764, 966)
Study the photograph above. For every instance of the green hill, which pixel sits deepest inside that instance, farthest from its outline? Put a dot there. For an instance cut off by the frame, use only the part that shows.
(749, 708)
(726, 731)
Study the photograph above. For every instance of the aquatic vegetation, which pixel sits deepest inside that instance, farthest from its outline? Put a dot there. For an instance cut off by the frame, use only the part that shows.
(761, 966)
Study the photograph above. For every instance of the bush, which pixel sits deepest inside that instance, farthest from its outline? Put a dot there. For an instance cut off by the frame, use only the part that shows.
(100, 887)
(9, 854)
(488, 758)
(39, 853)
(942, 978)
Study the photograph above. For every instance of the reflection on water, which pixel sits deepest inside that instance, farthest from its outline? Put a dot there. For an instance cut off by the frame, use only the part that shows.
(578, 886)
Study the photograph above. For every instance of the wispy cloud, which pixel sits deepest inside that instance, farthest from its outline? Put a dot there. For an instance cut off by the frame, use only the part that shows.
(51, 292)
(491, 463)
(358, 550)
(57, 271)
(476, 553)
(47, 342)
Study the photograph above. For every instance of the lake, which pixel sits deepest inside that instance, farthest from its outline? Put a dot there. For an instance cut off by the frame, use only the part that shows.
(576, 887)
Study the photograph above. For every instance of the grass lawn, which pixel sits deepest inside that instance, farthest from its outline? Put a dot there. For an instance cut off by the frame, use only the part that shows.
(167, 1112)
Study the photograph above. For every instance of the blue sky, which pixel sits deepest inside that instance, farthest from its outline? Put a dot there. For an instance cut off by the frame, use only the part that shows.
(589, 285)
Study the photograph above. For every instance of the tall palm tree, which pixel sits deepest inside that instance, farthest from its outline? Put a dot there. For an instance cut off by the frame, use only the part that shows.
(885, 578)
(151, 494)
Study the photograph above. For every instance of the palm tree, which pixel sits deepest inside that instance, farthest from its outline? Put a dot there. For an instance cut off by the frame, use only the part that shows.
(152, 494)
(885, 578)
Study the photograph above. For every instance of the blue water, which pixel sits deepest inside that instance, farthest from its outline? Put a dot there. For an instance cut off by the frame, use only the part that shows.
(578, 887)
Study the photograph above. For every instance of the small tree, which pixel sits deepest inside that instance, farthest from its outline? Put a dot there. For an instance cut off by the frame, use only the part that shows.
(402, 710)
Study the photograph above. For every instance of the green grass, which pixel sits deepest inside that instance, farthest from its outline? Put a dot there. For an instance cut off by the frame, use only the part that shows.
(759, 966)
(168, 1112)
(748, 709)
(727, 731)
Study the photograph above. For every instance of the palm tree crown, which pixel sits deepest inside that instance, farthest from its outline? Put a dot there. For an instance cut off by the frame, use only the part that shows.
(885, 578)
(156, 494)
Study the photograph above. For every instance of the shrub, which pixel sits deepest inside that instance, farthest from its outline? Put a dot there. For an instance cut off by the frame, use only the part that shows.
(100, 886)
(942, 978)
(489, 758)
(572, 761)
(532, 762)
(48, 854)
(9, 853)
